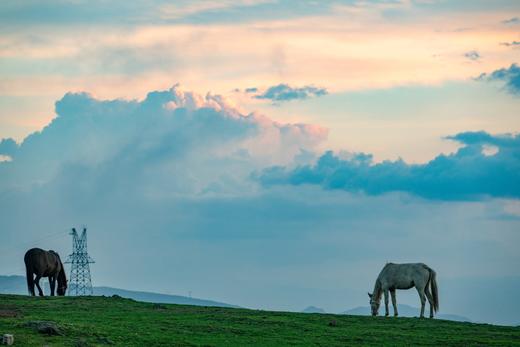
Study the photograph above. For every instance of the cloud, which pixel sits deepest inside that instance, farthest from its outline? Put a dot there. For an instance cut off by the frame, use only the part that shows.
(283, 92)
(472, 55)
(8, 147)
(514, 20)
(129, 44)
(469, 173)
(58, 12)
(170, 11)
(509, 44)
(171, 141)
(511, 77)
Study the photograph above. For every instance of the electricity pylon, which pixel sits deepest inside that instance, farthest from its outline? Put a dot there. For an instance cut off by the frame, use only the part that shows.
(79, 282)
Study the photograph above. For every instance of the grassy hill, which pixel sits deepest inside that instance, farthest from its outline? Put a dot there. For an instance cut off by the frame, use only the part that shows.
(405, 311)
(18, 285)
(86, 321)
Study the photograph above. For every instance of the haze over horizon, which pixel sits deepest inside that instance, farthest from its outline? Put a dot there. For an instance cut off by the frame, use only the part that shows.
(265, 153)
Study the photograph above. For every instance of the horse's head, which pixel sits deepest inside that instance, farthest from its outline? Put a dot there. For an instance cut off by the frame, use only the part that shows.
(374, 305)
(62, 288)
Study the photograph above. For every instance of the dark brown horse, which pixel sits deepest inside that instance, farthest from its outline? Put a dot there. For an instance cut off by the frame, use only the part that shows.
(45, 264)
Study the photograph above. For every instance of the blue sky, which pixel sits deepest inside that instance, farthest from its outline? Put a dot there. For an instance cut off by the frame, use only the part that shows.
(265, 154)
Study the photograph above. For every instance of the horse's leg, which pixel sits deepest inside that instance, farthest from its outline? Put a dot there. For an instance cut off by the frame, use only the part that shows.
(394, 302)
(420, 290)
(52, 284)
(430, 299)
(31, 289)
(386, 302)
(37, 282)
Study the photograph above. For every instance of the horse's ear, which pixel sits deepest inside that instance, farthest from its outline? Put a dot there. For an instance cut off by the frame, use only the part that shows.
(369, 295)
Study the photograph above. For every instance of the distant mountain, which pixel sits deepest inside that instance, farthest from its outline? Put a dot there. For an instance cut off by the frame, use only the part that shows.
(313, 309)
(17, 285)
(13, 285)
(405, 311)
(156, 297)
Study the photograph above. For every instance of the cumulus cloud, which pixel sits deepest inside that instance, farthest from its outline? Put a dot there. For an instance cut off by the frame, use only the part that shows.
(469, 173)
(283, 92)
(511, 77)
(172, 141)
(472, 55)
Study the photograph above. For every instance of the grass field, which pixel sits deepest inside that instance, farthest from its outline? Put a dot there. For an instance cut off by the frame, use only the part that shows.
(93, 321)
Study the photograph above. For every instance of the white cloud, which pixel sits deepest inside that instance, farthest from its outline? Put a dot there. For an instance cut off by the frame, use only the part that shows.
(176, 11)
(173, 139)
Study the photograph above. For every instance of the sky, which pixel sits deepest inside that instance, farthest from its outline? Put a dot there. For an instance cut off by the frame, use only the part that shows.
(267, 153)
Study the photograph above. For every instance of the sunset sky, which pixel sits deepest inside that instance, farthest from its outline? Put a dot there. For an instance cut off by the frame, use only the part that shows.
(267, 153)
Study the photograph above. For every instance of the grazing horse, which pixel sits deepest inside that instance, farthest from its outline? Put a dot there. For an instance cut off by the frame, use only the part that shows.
(405, 276)
(44, 264)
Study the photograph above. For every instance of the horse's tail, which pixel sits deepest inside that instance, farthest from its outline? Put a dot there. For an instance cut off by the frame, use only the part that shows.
(435, 289)
(30, 277)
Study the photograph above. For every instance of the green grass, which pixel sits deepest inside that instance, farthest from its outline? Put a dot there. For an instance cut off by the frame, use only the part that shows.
(99, 321)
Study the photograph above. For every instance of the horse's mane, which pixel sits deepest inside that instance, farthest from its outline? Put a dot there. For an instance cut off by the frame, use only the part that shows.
(377, 290)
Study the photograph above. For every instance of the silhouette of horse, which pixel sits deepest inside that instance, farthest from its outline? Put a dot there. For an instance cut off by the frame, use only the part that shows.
(44, 264)
(405, 276)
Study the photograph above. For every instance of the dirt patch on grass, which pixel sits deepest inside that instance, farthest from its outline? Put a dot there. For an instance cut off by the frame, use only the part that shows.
(10, 313)
(159, 307)
(44, 327)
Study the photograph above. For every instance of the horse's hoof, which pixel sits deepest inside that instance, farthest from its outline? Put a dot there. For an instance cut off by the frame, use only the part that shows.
(396, 315)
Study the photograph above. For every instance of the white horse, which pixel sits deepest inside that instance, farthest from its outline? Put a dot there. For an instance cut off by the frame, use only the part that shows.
(405, 276)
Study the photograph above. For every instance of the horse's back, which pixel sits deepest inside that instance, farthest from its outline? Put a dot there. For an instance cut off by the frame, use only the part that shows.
(403, 276)
(391, 267)
(40, 260)
(33, 253)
